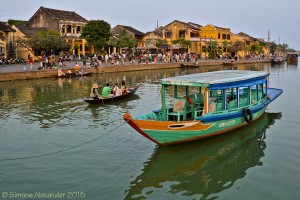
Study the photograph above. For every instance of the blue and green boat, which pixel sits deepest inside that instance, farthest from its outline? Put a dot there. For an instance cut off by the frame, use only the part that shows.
(201, 105)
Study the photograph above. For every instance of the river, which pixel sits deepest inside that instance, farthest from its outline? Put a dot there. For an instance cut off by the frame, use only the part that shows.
(54, 143)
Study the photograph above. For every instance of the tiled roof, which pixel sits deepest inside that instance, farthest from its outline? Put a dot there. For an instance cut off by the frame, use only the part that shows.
(62, 14)
(30, 30)
(6, 28)
(133, 30)
(247, 36)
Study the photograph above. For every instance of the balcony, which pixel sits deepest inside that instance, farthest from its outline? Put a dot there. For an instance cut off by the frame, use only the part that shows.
(194, 39)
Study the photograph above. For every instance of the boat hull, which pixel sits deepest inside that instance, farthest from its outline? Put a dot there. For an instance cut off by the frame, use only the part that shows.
(171, 132)
(74, 75)
(113, 98)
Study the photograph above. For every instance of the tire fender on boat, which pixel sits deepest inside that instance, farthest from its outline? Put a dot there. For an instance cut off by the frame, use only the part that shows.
(247, 113)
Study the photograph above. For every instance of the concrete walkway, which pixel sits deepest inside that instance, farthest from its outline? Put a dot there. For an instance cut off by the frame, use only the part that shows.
(22, 71)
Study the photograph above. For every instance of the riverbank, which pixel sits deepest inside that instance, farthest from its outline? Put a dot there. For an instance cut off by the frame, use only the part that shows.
(22, 72)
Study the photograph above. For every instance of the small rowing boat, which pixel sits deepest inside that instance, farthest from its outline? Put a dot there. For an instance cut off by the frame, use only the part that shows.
(74, 75)
(102, 100)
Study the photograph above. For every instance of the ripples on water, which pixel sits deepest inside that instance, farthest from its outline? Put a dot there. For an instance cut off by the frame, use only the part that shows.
(49, 115)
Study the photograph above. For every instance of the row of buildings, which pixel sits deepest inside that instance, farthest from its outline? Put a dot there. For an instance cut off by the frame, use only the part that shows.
(70, 25)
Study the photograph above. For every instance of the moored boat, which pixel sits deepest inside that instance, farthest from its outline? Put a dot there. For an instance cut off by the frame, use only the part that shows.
(103, 100)
(200, 105)
(74, 74)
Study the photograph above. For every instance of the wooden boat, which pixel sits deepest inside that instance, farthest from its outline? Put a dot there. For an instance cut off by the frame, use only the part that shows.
(74, 75)
(276, 59)
(102, 100)
(205, 104)
(228, 63)
(188, 65)
(292, 58)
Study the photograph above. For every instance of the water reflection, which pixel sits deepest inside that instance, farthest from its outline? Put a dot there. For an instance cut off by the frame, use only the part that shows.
(48, 101)
(206, 167)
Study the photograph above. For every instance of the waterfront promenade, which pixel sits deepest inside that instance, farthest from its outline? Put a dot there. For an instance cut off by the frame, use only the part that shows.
(13, 72)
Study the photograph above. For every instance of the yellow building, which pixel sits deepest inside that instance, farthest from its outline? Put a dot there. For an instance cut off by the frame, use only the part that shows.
(181, 30)
(211, 34)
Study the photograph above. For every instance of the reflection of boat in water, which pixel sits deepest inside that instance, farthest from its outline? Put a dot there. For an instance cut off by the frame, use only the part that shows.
(203, 167)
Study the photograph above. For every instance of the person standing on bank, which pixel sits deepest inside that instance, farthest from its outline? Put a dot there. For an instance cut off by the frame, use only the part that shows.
(94, 91)
(31, 62)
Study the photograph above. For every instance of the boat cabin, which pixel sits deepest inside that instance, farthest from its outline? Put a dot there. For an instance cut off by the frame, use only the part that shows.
(198, 96)
(292, 58)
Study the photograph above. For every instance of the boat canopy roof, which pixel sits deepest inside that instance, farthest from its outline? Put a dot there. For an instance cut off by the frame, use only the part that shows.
(219, 79)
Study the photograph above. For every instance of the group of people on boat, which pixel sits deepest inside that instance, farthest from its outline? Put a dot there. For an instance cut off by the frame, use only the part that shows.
(77, 70)
(107, 92)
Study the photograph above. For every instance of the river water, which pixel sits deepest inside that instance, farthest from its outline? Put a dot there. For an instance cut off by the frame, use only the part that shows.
(53, 143)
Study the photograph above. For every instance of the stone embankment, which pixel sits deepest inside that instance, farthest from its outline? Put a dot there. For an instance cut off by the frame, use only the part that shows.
(23, 75)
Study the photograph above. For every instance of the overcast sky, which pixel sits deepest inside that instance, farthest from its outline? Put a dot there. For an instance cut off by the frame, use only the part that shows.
(254, 17)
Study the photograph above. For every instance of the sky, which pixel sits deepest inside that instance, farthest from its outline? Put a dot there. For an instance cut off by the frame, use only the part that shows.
(255, 17)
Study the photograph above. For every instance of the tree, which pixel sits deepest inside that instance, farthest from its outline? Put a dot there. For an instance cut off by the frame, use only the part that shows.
(238, 46)
(182, 42)
(122, 41)
(226, 44)
(96, 33)
(45, 40)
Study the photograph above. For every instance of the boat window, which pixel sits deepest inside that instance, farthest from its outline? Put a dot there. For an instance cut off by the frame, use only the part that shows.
(244, 94)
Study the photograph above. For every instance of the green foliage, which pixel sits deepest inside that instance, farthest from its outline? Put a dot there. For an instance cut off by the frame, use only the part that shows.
(213, 47)
(15, 22)
(45, 40)
(122, 41)
(256, 48)
(226, 44)
(160, 43)
(238, 46)
(183, 42)
(97, 33)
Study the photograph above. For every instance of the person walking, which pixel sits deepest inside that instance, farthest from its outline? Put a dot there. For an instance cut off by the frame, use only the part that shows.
(31, 62)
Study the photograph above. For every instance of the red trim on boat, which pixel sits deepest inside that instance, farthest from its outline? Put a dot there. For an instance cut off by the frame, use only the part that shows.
(128, 118)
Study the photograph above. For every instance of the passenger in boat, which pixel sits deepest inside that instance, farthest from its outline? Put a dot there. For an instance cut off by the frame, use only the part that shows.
(69, 72)
(76, 68)
(94, 91)
(60, 72)
(106, 92)
(116, 90)
(124, 87)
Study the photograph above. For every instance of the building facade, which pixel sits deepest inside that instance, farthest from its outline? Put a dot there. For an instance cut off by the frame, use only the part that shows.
(7, 41)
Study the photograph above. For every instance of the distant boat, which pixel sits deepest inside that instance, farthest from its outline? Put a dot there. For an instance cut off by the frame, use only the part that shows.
(103, 100)
(277, 59)
(74, 74)
(200, 105)
(292, 58)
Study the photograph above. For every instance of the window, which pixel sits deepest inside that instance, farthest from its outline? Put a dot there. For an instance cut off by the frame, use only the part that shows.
(63, 29)
(228, 36)
(69, 29)
(192, 34)
(182, 34)
(78, 29)
(223, 36)
(168, 34)
(219, 36)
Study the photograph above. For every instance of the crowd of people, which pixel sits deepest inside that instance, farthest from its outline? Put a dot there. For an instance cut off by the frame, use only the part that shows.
(140, 58)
